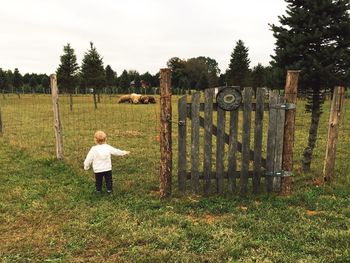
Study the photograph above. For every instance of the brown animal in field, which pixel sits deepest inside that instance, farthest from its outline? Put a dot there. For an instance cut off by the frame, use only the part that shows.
(144, 99)
(124, 98)
(135, 98)
(151, 99)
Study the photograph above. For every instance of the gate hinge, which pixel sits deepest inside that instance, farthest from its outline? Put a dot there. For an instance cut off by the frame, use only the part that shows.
(279, 174)
(284, 106)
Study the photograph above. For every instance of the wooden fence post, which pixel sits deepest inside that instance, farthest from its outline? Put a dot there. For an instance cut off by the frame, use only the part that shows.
(56, 117)
(165, 133)
(290, 91)
(333, 130)
(1, 127)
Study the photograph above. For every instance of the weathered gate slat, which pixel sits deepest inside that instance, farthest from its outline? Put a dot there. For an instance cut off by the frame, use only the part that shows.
(258, 135)
(247, 110)
(208, 133)
(277, 167)
(182, 108)
(220, 147)
(232, 157)
(271, 138)
(195, 141)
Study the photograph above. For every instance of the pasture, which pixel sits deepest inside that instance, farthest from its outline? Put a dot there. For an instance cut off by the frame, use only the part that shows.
(49, 212)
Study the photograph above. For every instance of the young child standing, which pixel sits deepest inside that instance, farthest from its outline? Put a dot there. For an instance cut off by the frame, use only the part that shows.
(100, 158)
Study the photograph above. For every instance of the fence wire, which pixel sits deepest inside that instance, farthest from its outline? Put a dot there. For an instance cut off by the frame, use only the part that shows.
(28, 124)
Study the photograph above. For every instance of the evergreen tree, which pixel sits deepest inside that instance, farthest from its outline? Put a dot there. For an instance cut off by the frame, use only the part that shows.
(67, 70)
(33, 83)
(314, 37)
(17, 79)
(92, 70)
(26, 79)
(45, 82)
(124, 81)
(238, 71)
(111, 76)
(258, 77)
(3, 80)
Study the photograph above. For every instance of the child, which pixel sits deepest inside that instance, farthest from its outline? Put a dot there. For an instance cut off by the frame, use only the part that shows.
(100, 158)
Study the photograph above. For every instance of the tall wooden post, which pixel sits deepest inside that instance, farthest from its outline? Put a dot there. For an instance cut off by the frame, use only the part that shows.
(56, 117)
(291, 91)
(165, 133)
(1, 128)
(333, 130)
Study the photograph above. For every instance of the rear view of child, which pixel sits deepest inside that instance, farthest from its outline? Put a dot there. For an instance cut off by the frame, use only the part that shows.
(100, 158)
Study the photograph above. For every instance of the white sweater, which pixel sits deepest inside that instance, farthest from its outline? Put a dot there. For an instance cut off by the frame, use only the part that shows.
(100, 157)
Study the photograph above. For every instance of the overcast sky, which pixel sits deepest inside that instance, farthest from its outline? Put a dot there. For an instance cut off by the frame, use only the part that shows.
(134, 34)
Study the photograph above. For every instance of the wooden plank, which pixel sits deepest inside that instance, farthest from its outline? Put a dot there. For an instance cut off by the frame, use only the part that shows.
(232, 150)
(333, 130)
(208, 133)
(271, 138)
(182, 153)
(165, 171)
(56, 117)
(220, 148)
(247, 111)
(277, 167)
(258, 136)
(1, 123)
(290, 93)
(227, 140)
(195, 141)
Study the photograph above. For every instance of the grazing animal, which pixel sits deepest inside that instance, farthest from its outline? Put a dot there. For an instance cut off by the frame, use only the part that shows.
(124, 98)
(144, 99)
(151, 99)
(135, 98)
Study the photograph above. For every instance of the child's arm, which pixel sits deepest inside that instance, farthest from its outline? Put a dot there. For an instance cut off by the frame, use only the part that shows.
(117, 152)
(88, 160)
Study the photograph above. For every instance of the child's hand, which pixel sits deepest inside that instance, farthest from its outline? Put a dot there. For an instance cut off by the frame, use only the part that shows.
(127, 152)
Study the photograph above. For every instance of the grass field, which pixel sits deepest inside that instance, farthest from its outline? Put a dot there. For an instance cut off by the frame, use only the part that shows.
(49, 212)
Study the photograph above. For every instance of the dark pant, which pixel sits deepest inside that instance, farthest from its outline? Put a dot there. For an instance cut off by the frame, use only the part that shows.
(108, 178)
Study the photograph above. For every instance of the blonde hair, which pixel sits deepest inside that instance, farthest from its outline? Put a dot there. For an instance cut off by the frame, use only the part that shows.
(100, 137)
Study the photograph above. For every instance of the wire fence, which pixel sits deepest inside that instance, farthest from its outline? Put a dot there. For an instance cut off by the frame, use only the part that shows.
(28, 124)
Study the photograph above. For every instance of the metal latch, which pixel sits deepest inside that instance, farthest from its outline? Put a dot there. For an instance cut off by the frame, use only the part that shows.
(284, 106)
(279, 174)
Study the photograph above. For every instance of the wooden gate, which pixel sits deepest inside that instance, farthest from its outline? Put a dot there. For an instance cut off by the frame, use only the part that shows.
(240, 154)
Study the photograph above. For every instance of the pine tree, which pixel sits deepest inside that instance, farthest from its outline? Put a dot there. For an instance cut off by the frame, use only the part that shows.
(33, 83)
(314, 37)
(17, 79)
(111, 75)
(124, 81)
(92, 70)
(238, 71)
(3, 80)
(67, 70)
(258, 77)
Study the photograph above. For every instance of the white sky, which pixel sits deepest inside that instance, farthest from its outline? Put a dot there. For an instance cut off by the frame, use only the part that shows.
(134, 34)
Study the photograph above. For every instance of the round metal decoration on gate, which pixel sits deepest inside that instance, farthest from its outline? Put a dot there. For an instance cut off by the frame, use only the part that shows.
(229, 98)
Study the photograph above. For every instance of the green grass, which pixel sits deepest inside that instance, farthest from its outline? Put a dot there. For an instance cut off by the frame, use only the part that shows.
(49, 212)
